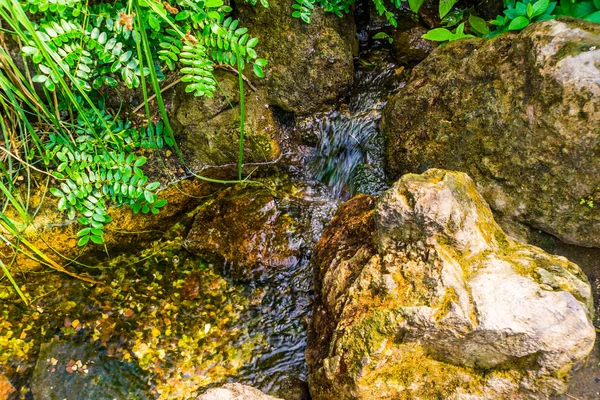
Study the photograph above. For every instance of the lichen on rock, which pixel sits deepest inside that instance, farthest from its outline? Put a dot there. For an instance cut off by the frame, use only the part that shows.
(421, 295)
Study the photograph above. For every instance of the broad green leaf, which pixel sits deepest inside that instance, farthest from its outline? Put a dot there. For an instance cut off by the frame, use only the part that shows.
(415, 5)
(478, 24)
(518, 23)
(139, 162)
(445, 7)
(56, 192)
(539, 7)
(159, 203)
(438, 35)
(258, 71)
(83, 232)
(153, 186)
(381, 35)
(594, 17)
(96, 239)
(213, 3)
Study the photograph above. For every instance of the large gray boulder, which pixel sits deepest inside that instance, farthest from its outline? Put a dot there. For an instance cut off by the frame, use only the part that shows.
(520, 114)
(421, 295)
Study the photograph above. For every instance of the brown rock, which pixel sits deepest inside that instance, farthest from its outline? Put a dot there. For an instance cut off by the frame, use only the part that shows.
(408, 46)
(244, 230)
(6, 388)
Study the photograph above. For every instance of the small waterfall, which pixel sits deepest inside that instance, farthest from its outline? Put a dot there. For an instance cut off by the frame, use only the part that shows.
(348, 155)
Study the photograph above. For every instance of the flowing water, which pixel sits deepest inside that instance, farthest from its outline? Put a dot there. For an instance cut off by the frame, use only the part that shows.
(250, 332)
(348, 155)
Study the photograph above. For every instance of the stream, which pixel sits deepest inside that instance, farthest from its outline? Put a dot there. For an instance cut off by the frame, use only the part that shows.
(141, 338)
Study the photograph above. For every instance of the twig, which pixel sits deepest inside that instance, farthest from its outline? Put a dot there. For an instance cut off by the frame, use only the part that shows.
(234, 70)
(169, 86)
(26, 163)
(572, 397)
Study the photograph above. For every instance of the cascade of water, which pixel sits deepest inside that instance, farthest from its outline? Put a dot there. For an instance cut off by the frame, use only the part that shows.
(348, 156)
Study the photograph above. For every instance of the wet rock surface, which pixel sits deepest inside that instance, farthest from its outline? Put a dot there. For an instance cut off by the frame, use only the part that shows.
(235, 391)
(520, 114)
(322, 66)
(246, 231)
(420, 291)
(408, 46)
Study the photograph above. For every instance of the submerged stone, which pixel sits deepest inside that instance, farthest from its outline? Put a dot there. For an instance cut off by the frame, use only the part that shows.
(245, 230)
(83, 371)
(421, 295)
(520, 114)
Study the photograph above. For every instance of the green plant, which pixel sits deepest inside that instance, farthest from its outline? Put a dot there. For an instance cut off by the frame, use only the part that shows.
(383, 36)
(77, 49)
(588, 201)
(93, 173)
(54, 121)
(445, 35)
(519, 15)
(588, 10)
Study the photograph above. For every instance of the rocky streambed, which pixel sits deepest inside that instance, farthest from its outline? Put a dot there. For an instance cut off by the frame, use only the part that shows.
(367, 259)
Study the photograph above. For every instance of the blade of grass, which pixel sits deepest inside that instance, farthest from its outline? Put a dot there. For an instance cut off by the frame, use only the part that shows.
(16, 287)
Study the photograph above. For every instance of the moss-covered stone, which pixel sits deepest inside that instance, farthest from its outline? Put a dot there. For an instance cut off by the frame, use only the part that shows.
(208, 129)
(310, 65)
(52, 233)
(520, 114)
(420, 295)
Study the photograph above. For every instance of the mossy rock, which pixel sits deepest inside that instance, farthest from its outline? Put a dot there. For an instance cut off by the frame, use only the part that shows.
(310, 65)
(520, 114)
(421, 295)
(55, 235)
(208, 129)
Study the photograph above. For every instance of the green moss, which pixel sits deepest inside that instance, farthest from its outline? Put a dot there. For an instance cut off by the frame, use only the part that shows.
(413, 374)
(444, 307)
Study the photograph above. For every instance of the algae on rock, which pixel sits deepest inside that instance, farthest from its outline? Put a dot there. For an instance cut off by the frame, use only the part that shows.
(420, 294)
